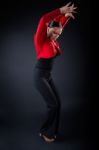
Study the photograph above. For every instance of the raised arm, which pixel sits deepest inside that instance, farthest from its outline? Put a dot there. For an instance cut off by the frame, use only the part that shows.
(66, 13)
(63, 19)
(42, 26)
(62, 15)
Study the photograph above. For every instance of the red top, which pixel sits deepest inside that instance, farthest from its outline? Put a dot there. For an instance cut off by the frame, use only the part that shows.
(46, 48)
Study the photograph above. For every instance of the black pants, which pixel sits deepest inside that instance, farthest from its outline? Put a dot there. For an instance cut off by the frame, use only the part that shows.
(45, 85)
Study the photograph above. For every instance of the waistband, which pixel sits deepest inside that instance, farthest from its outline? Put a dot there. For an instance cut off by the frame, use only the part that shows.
(42, 69)
(45, 64)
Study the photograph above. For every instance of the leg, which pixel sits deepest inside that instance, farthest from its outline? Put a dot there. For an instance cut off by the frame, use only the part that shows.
(46, 91)
(51, 82)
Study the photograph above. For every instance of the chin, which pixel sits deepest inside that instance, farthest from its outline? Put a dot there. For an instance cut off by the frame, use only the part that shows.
(54, 38)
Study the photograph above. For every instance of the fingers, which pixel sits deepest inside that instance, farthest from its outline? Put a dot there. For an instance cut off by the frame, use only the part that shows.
(68, 8)
(74, 11)
(68, 4)
(72, 7)
(75, 8)
(70, 15)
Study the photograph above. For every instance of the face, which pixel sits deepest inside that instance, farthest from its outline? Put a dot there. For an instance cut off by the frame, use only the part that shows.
(54, 32)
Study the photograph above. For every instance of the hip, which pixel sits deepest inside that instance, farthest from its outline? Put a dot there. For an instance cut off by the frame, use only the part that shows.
(40, 73)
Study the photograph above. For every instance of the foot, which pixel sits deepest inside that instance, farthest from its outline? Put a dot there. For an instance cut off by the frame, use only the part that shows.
(47, 139)
(55, 136)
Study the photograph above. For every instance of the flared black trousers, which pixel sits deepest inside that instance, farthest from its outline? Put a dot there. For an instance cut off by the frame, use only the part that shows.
(44, 84)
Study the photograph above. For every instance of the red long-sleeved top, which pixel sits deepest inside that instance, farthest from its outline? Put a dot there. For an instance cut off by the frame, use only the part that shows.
(46, 48)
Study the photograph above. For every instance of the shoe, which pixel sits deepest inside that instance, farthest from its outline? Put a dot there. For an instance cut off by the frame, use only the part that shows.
(55, 136)
(47, 139)
(40, 134)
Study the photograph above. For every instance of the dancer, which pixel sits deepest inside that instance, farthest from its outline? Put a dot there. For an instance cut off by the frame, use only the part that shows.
(47, 47)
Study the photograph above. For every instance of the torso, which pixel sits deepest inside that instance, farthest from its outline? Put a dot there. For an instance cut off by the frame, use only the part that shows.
(46, 63)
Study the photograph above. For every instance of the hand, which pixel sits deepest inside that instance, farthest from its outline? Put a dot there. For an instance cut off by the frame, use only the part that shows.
(64, 8)
(68, 10)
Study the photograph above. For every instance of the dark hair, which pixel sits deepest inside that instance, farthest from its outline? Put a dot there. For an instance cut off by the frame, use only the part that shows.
(53, 23)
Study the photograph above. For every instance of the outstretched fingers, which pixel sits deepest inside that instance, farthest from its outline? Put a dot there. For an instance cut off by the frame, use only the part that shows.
(72, 9)
(68, 4)
(70, 15)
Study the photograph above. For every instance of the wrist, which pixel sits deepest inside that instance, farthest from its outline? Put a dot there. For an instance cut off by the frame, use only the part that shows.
(61, 10)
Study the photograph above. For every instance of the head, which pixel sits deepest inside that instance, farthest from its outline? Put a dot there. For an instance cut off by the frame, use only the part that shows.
(54, 29)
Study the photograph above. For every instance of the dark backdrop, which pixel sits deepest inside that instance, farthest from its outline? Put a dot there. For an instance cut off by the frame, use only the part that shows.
(22, 109)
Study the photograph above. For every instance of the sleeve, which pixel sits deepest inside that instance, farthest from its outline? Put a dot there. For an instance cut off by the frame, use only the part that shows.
(62, 19)
(52, 15)
(40, 34)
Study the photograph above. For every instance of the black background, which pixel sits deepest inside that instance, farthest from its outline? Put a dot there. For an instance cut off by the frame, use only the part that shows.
(22, 109)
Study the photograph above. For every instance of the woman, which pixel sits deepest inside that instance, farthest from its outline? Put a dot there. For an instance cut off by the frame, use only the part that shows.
(49, 29)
